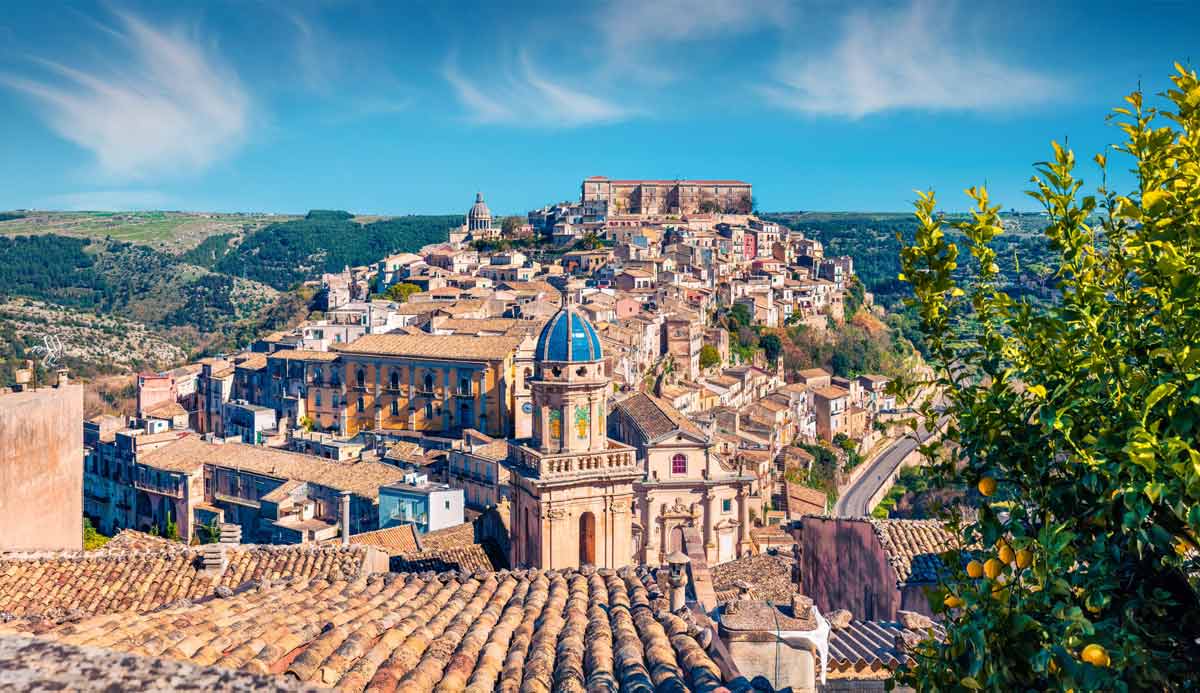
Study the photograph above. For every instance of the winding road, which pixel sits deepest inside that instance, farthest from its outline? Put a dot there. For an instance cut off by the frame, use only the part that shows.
(855, 502)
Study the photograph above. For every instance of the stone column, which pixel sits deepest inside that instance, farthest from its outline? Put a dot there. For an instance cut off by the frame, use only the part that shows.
(743, 520)
(710, 513)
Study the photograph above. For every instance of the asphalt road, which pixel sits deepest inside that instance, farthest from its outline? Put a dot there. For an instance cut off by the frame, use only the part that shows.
(854, 502)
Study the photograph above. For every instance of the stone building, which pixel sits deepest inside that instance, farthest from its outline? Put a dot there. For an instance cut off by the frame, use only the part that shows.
(685, 483)
(478, 224)
(41, 456)
(429, 383)
(874, 568)
(667, 196)
(572, 487)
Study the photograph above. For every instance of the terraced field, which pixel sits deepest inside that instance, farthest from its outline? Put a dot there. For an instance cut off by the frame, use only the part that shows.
(173, 232)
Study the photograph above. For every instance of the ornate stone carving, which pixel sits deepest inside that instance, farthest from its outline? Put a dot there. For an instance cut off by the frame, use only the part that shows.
(556, 513)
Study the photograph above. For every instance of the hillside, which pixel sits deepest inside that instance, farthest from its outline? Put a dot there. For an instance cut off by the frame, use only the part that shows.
(871, 239)
(181, 288)
(170, 232)
(285, 253)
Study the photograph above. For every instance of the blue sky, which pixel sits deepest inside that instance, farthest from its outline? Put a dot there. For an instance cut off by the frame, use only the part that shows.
(393, 108)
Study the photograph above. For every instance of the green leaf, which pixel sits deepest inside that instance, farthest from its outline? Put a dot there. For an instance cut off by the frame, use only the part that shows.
(969, 682)
(1158, 393)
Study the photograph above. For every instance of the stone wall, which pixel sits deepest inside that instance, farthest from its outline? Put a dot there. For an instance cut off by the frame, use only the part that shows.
(41, 469)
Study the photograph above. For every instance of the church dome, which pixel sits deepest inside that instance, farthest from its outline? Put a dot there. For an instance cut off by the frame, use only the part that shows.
(480, 217)
(568, 337)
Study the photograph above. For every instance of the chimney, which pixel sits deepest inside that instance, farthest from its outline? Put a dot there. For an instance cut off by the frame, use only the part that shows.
(64, 378)
(345, 518)
(678, 579)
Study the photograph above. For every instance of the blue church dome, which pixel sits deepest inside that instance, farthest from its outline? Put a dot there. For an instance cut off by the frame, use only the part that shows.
(568, 337)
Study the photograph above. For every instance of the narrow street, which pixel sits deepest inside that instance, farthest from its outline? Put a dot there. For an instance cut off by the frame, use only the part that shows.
(855, 501)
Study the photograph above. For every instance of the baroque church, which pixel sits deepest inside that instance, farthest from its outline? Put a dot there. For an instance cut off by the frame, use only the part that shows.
(581, 497)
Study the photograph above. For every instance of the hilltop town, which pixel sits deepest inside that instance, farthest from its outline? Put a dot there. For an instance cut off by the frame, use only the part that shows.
(590, 403)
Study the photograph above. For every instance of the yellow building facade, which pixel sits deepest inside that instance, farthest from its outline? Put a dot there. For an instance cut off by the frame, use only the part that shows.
(428, 383)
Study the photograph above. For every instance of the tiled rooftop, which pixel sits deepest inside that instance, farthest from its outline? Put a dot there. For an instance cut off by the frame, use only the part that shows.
(655, 417)
(768, 576)
(133, 540)
(359, 478)
(393, 541)
(432, 346)
(34, 664)
(524, 630)
(912, 547)
(54, 585)
(866, 648)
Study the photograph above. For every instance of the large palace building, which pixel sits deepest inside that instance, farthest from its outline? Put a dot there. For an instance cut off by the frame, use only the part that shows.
(668, 196)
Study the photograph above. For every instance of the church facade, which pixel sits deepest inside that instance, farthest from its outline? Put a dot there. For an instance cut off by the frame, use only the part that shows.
(590, 490)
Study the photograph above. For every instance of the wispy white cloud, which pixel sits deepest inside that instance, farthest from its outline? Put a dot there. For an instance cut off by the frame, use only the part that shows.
(167, 108)
(639, 34)
(638, 22)
(106, 200)
(916, 56)
(524, 96)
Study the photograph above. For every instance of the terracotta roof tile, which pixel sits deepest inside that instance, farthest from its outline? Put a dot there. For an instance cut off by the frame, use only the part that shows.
(913, 547)
(769, 577)
(400, 539)
(54, 585)
(526, 630)
(655, 417)
(436, 346)
(864, 646)
(360, 478)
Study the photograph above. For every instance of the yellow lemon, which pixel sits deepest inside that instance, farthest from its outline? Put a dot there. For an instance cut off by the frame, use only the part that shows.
(1095, 655)
(992, 568)
(952, 602)
(975, 569)
(987, 486)
(1006, 554)
(1024, 558)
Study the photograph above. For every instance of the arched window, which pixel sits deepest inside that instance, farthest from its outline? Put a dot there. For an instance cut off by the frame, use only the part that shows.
(679, 464)
(429, 382)
(587, 539)
(395, 379)
(316, 375)
(360, 377)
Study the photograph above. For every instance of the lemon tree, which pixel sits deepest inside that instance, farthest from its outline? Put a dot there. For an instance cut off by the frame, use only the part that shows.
(1078, 420)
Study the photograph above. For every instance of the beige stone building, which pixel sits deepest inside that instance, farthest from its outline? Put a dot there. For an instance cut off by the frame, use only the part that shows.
(572, 487)
(685, 484)
(651, 197)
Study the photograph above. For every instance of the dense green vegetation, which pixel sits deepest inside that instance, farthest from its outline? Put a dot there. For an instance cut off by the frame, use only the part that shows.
(9, 216)
(55, 268)
(286, 253)
(1077, 420)
(210, 251)
(874, 241)
(199, 309)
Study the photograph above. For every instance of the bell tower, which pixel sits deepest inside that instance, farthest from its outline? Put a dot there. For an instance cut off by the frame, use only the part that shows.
(572, 486)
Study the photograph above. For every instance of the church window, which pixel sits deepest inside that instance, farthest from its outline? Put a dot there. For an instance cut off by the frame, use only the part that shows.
(679, 464)
(726, 505)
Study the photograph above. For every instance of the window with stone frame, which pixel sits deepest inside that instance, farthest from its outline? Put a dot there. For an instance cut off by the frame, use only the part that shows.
(679, 464)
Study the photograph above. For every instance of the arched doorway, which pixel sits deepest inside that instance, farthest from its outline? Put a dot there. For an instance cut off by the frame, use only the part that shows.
(676, 539)
(587, 539)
